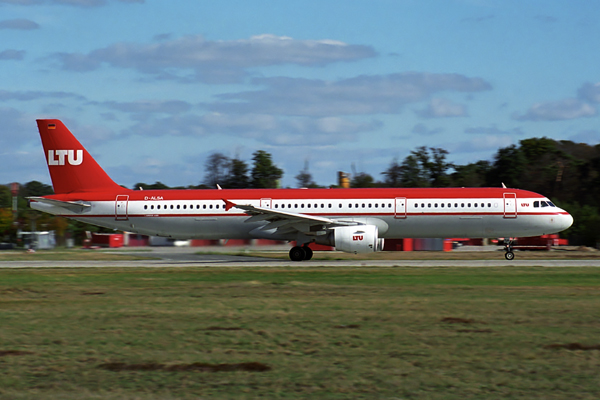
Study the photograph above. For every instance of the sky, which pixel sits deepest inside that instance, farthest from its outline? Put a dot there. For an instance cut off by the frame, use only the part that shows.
(153, 87)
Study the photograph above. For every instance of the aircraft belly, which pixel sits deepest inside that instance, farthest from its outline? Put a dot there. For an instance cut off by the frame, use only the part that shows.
(428, 226)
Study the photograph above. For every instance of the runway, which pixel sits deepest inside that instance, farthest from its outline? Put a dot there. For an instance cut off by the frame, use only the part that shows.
(165, 257)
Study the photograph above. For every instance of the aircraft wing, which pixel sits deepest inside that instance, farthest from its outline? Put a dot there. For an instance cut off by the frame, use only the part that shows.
(69, 205)
(284, 221)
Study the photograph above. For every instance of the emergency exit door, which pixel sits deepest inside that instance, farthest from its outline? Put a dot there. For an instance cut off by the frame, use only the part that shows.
(510, 205)
(121, 204)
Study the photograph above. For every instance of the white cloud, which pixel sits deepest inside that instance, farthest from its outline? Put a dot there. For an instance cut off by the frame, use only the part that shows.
(385, 94)
(214, 61)
(19, 24)
(269, 129)
(494, 131)
(590, 136)
(76, 3)
(481, 143)
(30, 95)
(558, 110)
(442, 108)
(12, 54)
(590, 92)
(422, 129)
(150, 106)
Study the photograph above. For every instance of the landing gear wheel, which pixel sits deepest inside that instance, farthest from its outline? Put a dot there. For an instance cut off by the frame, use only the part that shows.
(297, 253)
(308, 253)
(509, 255)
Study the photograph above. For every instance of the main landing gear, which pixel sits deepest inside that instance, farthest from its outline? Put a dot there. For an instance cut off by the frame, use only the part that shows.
(509, 255)
(298, 253)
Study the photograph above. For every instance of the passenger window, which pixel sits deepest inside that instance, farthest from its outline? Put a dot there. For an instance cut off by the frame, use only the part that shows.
(435, 205)
(204, 206)
(442, 205)
(145, 207)
(416, 205)
(455, 205)
(210, 206)
(295, 205)
(350, 205)
(462, 205)
(468, 205)
(474, 204)
(152, 207)
(429, 205)
(340, 205)
(171, 206)
(308, 205)
(489, 205)
(423, 205)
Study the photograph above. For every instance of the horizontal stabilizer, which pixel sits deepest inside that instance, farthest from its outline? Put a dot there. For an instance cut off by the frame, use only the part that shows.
(73, 206)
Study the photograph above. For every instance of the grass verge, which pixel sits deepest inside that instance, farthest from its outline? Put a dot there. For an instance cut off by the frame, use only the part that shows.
(327, 333)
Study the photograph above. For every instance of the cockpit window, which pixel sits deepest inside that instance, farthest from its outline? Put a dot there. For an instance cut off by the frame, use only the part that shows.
(551, 204)
(536, 204)
(544, 204)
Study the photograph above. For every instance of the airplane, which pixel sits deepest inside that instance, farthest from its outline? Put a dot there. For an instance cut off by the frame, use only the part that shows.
(351, 220)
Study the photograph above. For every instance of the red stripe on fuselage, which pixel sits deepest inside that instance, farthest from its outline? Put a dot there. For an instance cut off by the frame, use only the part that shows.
(299, 194)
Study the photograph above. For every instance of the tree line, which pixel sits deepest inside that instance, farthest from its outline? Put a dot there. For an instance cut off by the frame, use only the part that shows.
(566, 172)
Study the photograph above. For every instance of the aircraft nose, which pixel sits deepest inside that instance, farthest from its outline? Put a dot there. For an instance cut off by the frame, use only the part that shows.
(566, 220)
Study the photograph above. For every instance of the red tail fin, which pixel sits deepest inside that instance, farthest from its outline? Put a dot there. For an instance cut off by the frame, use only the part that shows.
(72, 169)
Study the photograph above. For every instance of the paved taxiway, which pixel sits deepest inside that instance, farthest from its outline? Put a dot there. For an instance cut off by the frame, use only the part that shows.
(186, 257)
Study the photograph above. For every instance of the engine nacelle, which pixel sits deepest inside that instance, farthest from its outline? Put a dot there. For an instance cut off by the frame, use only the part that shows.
(357, 239)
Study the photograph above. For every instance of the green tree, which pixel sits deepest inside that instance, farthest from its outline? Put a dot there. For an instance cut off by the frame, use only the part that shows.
(393, 175)
(238, 175)
(264, 173)
(362, 180)
(35, 188)
(471, 175)
(509, 166)
(5, 197)
(217, 169)
(305, 179)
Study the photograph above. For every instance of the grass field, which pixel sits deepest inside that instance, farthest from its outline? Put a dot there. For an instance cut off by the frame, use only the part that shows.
(322, 333)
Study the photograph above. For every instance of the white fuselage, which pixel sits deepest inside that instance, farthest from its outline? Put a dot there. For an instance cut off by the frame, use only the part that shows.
(395, 217)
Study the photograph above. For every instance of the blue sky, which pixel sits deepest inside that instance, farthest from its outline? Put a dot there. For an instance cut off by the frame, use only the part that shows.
(152, 88)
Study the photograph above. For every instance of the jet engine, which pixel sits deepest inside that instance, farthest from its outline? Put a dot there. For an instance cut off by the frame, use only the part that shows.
(357, 239)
